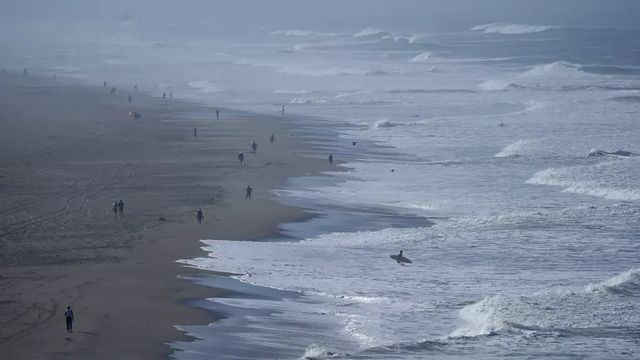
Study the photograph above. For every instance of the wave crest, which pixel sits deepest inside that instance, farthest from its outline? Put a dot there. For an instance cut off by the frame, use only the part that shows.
(554, 312)
(512, 29)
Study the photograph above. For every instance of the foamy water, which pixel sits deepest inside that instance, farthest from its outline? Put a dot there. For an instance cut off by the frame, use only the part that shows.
(528, 246)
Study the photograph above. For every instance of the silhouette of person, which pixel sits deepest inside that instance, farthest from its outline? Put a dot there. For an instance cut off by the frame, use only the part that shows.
(121, 208)
(135, 87)
(171, 95)
(254, 147)
(199, 215)
(272, 139)
(104, 83)
(164, 95)
(69, 319)
(129, 99)
(217, 113)
(115, 208)
(249, 190)
(330, 159)
(241, 159)
(195, 132)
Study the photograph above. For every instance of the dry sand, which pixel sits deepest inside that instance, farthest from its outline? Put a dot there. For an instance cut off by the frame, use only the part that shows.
(66, 152)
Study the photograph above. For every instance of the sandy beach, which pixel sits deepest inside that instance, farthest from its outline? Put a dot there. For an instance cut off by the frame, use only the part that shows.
(68, 151)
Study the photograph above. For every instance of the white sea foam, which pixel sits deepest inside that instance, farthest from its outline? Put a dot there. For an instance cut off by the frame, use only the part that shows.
(556, 75)
(421, 58)
(512, 29)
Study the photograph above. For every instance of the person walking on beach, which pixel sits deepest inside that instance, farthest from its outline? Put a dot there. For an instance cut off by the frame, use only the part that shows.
(129, 98)
(54, 77)
(171, 95)
(113, 90)
(25, 73)
(115, 208)
(254, 147)
(135, 87)
(241, 159)
(272, 139)
(330, 159)
(68, 316)
(121, 208)
(199, 215)
(217, 114)
(249, 190)
(282, 110)
(195, 132)
(164, 95)
(104, 83)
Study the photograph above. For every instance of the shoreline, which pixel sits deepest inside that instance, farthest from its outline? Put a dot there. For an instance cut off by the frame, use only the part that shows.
(154, 164)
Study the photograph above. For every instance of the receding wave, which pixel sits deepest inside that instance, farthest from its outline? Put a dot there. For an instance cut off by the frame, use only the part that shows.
(611, 304)
(512, 29)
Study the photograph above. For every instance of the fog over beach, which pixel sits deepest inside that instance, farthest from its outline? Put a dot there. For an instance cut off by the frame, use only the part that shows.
(490, 146)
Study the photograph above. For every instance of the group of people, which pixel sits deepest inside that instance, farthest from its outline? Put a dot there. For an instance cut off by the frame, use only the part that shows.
(118, 208)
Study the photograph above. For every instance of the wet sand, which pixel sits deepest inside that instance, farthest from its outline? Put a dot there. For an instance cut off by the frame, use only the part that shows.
(66, 153)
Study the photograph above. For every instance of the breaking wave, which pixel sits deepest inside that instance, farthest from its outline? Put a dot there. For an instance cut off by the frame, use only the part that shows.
(607, 306)
(302, 33)
(615, 180)
(421, 58)
(371, 32)
(512, 29)
(557, 75)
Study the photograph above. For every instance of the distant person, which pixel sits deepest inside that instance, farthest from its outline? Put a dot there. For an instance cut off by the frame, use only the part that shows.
(354, 143)
(241, 159)
(330, 159)
(217, 114)
(115, 208)
(164, 95)
(283, 109)
(400, 255)
(135, 87)
(195, 132)
(129, 98)
(199, 215)
(68, 316)
(113, 91)
(104, 83)
(272, 139)
(121, 208)
(249, 191)
(171, 95)
(254, 147)
(25, 72)
(4, 72)
(501, 123)
(54, 77)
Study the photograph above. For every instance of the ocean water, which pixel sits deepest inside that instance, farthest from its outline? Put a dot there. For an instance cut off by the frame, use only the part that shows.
(477, 155)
